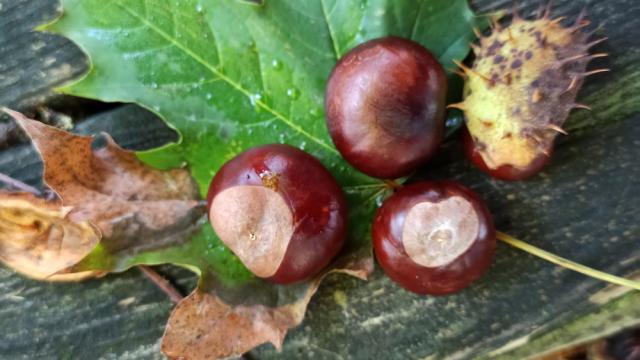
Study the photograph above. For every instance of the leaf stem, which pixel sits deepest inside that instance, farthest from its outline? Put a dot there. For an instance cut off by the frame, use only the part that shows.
(162, 283)
(567, 263)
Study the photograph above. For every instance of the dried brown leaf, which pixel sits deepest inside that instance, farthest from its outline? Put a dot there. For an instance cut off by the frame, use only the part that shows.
(38, 239)
(204, 326)
(134, 206)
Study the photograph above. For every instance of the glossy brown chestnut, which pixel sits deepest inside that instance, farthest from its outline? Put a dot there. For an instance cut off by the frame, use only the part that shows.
(434, 237)
(504, 172)
(385, 103)
(280, 211)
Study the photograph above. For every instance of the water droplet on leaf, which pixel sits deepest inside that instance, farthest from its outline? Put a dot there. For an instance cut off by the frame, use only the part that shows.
(254, 99)
(293, 93)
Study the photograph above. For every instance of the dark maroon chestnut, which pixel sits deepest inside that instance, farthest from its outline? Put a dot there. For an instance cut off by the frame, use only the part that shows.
(434, 237)
(503, 172)
(385, 103)
(280, 211)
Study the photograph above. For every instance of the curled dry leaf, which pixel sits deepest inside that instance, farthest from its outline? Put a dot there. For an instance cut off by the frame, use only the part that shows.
(134, 206)
(38, 239)
(203, 325)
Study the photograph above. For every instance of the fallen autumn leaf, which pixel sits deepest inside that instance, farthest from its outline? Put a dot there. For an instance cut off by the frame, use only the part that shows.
(38, 239)
(134, 206)
(204, 323)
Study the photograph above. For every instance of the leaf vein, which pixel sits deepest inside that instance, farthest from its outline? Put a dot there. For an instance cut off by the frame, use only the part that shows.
(414, 28)
(332, 35)
(228, 80)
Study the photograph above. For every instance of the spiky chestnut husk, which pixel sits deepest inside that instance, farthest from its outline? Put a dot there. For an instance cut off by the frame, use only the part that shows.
(520, 91)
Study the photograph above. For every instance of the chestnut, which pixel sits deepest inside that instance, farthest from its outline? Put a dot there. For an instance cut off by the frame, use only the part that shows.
(434, 237)
(502, 172)
(280, 211)
(384, 104)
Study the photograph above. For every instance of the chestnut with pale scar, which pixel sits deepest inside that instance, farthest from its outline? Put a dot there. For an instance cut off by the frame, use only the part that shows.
(280, 211)
(256, 224)
(434, 237)
(436, 234)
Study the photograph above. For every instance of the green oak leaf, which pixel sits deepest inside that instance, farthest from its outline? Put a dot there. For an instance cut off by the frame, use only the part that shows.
(229, 75)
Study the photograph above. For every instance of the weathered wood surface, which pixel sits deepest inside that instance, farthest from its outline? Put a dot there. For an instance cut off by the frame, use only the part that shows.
(583, 207)
(32, 63)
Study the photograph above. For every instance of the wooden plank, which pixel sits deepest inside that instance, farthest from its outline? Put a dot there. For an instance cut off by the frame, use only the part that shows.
(118, 317)
(33, 62)
(623, 311)
(584, 207)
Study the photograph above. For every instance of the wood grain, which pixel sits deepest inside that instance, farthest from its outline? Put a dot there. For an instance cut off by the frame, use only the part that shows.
(583, 207)
(33, 62)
